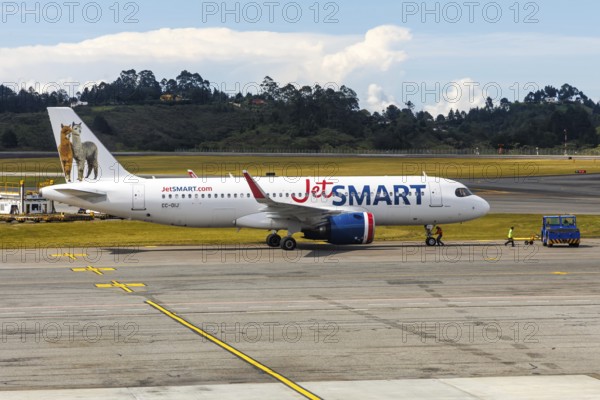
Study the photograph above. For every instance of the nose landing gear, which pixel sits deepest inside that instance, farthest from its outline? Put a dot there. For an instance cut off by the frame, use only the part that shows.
(429, 240)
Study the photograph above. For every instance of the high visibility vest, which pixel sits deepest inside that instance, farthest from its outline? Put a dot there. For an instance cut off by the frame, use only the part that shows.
(510, 233)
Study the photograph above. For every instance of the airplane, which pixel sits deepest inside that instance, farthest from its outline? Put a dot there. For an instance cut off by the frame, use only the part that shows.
(338, 210)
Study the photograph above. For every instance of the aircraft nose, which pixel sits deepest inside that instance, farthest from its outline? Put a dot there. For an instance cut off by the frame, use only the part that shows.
(483, 207)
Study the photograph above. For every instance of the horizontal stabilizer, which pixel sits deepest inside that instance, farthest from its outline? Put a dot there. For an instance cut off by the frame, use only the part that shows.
(88, 194)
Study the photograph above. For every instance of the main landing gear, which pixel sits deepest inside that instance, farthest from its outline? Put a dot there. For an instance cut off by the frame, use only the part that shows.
(287, 243)
(273, 240)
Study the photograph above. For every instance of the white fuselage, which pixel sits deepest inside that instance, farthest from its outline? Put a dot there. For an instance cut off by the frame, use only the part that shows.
(228, 202)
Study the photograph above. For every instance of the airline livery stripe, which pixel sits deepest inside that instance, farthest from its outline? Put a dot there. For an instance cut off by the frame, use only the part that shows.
(366, 230)
(371, 228)
(292, 385)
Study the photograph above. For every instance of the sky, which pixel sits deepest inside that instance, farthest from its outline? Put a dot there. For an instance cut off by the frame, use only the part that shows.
(440, 55)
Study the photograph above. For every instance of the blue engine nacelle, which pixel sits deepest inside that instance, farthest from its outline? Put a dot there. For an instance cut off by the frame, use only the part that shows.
(350, 228)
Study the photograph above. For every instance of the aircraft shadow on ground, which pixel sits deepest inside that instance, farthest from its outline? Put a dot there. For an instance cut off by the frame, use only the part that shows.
(313, 250)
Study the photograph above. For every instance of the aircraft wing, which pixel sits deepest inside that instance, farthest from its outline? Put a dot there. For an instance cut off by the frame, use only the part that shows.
(286, 210)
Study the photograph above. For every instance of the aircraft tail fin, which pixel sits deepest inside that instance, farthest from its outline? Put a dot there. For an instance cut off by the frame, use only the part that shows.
(81, 154)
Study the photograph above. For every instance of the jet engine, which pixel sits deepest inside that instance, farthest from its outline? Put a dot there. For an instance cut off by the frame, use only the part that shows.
(348, 228)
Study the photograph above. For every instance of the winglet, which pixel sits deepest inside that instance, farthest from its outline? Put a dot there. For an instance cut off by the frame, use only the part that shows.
(192, 174)
(256, 190)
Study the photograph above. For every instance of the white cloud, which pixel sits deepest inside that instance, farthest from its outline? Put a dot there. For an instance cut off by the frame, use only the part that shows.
(219, 54)
(460, 94)
(377, 99)
(378, 48)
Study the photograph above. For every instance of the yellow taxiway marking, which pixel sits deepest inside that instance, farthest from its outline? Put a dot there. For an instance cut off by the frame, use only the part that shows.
(70, 255)
(292, 385)
(98, 271)
(560, 273)
(117, 284)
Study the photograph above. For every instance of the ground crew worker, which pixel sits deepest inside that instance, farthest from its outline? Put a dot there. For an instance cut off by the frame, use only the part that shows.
(439, 233)
(510, 237)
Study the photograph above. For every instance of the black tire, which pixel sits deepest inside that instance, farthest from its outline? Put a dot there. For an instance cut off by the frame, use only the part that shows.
(288, 243)
(273, 240)
(430, 241)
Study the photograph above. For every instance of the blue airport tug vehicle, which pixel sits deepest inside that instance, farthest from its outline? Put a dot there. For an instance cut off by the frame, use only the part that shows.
(560, 229)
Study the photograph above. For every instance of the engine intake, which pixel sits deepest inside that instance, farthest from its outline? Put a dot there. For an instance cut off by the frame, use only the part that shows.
(349, 228)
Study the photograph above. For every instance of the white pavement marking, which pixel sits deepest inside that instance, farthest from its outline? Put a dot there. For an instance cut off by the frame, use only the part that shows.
(515, 388)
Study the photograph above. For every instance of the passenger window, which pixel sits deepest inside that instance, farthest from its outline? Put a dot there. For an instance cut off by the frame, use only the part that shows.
(163, 196)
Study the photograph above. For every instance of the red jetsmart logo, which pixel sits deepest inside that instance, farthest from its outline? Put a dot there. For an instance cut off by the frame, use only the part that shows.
(318, 190)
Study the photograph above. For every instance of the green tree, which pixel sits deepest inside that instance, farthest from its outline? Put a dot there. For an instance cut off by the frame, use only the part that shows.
(9, 139)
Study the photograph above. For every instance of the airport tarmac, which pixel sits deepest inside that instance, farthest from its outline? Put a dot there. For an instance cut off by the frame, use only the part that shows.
(566, 194)
(473, 320)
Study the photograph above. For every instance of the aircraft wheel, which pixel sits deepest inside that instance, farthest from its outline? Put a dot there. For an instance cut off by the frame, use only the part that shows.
(288, 243)
(273, 240)
(430, 241)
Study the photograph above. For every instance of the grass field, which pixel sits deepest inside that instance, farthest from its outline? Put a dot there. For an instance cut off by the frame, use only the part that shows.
(459, 168)
(133, 233)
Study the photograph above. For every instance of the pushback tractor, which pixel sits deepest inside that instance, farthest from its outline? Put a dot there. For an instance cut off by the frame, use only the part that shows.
(560, 229)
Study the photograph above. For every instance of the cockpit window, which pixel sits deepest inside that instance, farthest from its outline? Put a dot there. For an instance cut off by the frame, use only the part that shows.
(463, 192)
